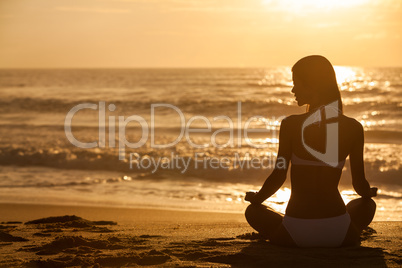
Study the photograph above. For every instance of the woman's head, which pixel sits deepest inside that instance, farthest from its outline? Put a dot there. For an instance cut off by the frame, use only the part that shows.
(315, 82)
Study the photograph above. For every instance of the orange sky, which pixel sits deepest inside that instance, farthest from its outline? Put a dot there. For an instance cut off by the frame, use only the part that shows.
(198, 33)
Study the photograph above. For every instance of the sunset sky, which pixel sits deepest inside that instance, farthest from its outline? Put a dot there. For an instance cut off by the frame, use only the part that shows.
(198, 33)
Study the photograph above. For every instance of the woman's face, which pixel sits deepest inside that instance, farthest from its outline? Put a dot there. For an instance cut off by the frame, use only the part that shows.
(302, 94)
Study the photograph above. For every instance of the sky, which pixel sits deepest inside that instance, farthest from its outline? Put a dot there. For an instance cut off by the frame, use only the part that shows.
(198, 33)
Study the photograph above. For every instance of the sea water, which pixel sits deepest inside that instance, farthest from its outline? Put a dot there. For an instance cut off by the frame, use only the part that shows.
(193, 139)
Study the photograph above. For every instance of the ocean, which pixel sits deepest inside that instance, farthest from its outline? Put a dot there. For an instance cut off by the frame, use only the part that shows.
(192, 139)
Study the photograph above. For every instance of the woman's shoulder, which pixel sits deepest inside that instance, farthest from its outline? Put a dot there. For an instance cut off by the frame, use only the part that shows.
(295, 118)
(351, 128)
(288, 120)
(301, 117)
(292, 123)
(351, 123)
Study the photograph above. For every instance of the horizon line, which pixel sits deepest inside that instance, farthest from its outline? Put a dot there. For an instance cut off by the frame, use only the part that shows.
(176, 67)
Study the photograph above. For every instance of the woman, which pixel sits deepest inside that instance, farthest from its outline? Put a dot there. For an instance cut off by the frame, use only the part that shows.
(317, 144)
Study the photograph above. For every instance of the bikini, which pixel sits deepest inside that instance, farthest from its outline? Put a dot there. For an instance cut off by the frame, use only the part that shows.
(325, 232)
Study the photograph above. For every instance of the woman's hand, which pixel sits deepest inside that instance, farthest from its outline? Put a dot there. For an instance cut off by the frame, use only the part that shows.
(373, 191)
(250, 196)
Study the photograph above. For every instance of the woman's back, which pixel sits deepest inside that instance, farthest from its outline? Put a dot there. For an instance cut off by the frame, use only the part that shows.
(315, 183)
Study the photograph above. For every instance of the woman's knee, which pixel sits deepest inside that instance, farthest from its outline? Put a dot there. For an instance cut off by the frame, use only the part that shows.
(251, 211)
(372, 204)
(361, 211)
(258, 214)
(362, 204)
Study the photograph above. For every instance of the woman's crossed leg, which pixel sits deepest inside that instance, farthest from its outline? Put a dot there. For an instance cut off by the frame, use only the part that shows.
(268, 223)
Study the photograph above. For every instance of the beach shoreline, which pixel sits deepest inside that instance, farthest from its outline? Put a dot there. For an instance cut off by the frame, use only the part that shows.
(130, 237)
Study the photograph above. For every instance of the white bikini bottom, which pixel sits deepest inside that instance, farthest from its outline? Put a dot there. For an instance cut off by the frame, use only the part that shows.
(327, 232)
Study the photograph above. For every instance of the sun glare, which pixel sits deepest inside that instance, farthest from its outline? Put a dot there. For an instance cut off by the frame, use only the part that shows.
(344, 74)
(312, 5)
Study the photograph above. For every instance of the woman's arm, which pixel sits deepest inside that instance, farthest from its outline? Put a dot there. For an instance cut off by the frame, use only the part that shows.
(360, 183)
(278, 175)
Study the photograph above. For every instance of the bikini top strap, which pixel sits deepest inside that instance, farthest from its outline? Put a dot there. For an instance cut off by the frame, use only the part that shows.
(303, 162)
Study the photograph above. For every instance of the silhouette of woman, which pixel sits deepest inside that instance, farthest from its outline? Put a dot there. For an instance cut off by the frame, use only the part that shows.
(317, 144)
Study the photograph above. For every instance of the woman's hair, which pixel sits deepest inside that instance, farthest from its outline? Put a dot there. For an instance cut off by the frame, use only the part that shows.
(318, 75)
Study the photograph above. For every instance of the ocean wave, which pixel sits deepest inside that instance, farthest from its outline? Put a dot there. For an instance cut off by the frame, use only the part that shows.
(191, 106)
(275, 105)
(382, 136)
(207, 165)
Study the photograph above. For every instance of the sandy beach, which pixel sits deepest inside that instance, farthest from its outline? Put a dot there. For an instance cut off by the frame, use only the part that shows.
(74, 236)
(135, 133)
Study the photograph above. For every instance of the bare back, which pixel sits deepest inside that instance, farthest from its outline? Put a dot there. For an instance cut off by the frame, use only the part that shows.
(315, 188)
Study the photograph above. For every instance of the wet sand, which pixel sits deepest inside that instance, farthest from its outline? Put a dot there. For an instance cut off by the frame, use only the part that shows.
(126, 237)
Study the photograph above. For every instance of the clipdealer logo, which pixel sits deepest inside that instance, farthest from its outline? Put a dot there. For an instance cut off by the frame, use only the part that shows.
(237, 132)
(330, 157)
